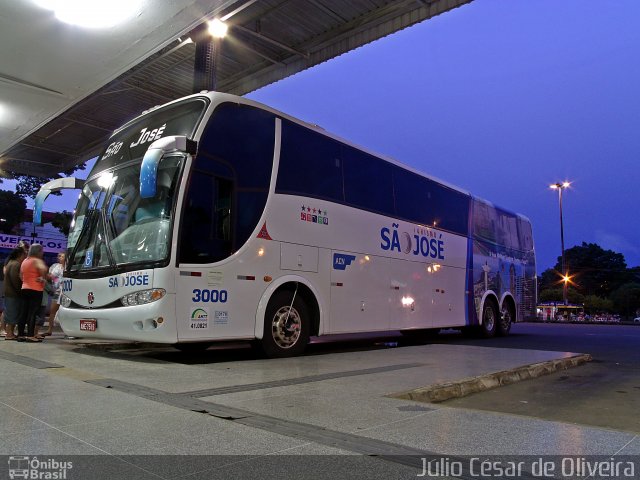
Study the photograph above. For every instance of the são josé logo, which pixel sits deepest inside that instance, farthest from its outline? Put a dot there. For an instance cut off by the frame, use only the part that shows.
(423, 242)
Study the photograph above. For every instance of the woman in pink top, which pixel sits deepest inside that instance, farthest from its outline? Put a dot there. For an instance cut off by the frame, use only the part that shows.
(33, 272)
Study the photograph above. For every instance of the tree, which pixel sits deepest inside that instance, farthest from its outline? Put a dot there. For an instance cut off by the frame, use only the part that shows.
(594, 304)
(27, 186)
(595, 271)
(555, 295)
(62, 221)
(626, 299)
(12, 208)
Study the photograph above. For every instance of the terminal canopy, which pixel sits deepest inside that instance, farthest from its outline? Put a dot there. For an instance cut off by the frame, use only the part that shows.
(65, 87)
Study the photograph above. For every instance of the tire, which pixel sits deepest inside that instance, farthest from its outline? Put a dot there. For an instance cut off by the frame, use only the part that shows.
(489, 319)
(286, 326)
(505, 320)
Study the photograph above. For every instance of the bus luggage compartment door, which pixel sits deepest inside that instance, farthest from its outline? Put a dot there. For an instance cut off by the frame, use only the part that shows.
(301, 258)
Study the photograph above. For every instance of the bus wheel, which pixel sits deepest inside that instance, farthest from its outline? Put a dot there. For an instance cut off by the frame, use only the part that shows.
(506, 318)
(489, 319)
(286, 325)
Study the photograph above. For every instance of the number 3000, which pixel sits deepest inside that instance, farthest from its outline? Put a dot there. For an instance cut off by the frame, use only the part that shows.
(213, 296)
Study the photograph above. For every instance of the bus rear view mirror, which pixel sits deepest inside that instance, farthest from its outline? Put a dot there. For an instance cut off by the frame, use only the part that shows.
(151, 159)
(68, 183)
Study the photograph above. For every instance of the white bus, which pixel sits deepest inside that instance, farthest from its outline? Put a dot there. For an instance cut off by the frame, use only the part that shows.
(215, 218)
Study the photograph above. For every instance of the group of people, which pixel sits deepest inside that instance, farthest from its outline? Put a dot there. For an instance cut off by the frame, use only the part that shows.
(27, 286)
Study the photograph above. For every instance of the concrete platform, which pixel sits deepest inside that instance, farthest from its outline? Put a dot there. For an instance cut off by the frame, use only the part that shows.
(141, 413)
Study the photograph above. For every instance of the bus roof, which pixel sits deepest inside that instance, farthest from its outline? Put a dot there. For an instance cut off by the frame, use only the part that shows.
(219, 97)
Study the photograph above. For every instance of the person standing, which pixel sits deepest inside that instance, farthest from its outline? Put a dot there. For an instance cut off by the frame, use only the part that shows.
(25, 246)
(55, 272)
(33, 272)
(13, 302)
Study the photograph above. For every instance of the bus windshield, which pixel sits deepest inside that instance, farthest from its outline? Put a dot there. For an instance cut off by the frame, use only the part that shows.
(115, 227)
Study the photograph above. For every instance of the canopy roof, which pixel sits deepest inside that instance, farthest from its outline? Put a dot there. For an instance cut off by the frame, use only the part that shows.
(64, 88)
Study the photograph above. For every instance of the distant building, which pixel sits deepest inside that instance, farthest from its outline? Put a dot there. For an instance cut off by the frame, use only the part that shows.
(52, 240)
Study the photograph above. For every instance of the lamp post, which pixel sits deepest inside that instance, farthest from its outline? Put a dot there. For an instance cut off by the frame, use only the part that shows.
(565, 277)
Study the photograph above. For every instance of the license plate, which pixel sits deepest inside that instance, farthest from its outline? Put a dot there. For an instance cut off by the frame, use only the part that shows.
(88, 324)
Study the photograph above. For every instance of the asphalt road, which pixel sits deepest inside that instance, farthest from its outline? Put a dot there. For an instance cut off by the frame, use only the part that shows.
(603, 393)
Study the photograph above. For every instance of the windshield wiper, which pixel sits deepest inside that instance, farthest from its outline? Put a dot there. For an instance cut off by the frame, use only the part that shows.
(85, 231)
(109, 230)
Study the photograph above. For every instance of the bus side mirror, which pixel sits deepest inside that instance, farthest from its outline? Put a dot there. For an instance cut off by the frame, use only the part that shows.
(151, 159)
(68, 183)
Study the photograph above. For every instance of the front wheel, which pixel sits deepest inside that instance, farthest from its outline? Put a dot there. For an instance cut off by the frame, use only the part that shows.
(286, 325)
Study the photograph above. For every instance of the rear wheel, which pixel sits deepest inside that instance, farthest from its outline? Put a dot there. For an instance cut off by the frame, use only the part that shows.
(506, 319)
(489, 319)
(286, 325)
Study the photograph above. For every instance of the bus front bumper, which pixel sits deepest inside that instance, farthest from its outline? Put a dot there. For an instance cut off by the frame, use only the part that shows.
(152, 322)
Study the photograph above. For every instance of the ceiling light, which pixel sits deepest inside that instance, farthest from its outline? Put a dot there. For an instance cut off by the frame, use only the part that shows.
(91, 13)
(217, 28)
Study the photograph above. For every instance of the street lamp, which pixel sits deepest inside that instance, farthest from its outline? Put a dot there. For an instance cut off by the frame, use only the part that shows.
(565, 277)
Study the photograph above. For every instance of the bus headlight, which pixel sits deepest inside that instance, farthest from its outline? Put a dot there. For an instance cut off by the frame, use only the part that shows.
(142, 297)
(65, 301)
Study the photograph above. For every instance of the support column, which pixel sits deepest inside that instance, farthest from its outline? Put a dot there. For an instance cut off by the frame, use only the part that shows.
(206, 60)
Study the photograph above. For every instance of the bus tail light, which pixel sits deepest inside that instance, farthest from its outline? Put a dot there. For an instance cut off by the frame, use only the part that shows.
(142, 297)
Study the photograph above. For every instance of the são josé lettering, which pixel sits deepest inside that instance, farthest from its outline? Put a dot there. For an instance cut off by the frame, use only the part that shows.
(146, 136)
(129, 281)
(415, 245)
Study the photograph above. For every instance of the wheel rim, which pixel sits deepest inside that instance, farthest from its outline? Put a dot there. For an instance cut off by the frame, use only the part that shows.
(489, 319)
(505, 321)
(286, 327)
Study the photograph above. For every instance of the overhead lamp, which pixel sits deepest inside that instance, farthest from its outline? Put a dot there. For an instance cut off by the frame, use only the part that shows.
(217, 28)
(91, 13)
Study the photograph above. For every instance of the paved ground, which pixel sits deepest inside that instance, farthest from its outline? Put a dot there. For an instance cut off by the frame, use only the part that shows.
(604, 393)
(141, 413)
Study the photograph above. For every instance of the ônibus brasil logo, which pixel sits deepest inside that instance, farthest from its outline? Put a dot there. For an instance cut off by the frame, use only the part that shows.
(32, 467)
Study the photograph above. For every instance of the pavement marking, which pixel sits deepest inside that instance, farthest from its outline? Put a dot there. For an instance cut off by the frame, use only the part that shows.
(307, 432)
(210, 392)
(461, 388)
(387, 451)
(27, 361)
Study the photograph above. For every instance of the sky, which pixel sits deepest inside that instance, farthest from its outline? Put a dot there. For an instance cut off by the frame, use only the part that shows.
(501, 98)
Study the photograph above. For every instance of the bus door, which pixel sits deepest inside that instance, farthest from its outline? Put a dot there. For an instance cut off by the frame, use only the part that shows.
(203, 292)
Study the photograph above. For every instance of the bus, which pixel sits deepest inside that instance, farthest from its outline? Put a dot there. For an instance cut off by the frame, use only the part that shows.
(216, 218)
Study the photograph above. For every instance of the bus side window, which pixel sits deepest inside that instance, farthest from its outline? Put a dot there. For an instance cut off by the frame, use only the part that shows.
(223, 209)
(205, 231)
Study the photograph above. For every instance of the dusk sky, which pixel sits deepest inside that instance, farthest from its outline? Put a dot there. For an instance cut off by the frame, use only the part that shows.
(500, 98)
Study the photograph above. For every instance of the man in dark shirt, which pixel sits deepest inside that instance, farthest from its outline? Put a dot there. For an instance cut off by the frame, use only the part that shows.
(13, 304)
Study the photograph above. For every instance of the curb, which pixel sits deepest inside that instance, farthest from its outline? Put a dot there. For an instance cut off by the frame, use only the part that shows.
(461, 388)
